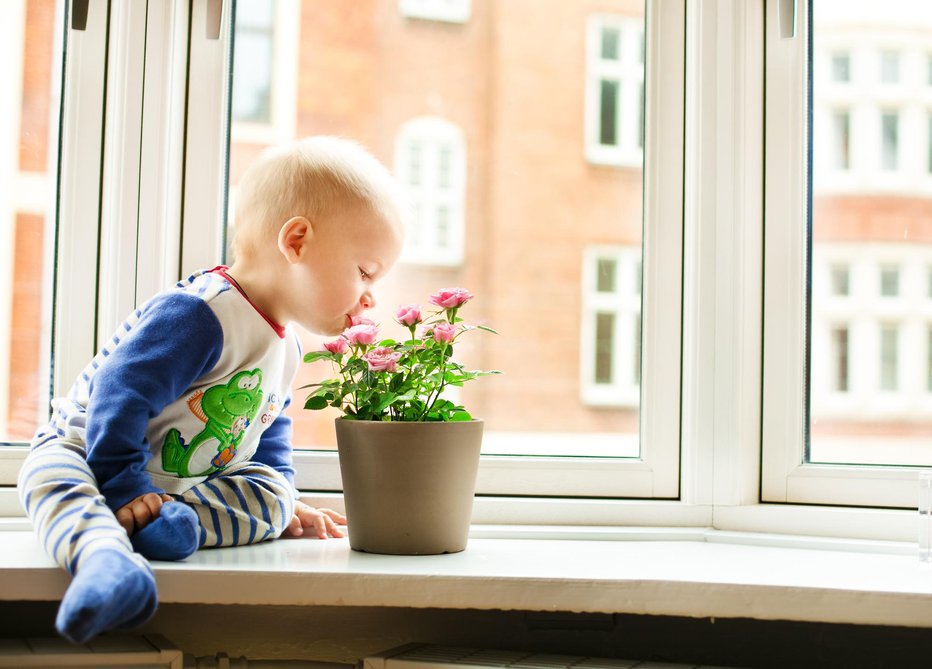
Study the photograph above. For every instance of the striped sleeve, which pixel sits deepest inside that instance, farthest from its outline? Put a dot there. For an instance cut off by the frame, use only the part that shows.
(176, 340)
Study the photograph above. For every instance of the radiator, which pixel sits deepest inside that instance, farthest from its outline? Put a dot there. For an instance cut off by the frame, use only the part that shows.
(421, 656)
(148, 652)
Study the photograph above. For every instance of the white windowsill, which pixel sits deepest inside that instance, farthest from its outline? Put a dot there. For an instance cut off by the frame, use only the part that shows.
(690, 572)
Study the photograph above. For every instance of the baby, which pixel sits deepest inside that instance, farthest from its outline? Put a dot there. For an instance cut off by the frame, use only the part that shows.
(174, 438)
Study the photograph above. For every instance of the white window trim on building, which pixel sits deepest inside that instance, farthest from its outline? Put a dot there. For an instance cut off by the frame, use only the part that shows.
(431, 135)
(284, 77)
(623, 302)
(628, 71)
(866, 98)
(449, 11)
(866, 312)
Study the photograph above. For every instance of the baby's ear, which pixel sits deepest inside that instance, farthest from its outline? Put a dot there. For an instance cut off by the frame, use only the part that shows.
(293, 238)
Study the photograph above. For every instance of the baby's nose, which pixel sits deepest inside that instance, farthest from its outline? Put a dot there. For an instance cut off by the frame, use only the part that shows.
(367, 300)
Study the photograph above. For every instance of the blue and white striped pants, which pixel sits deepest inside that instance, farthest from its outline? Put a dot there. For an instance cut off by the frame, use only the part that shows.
(249, 503)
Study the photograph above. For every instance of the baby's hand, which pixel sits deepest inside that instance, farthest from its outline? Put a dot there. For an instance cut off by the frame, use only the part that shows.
(323, 521)
(141, 511)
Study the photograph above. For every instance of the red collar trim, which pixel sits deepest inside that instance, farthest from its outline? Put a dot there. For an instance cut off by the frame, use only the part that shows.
(222, 271)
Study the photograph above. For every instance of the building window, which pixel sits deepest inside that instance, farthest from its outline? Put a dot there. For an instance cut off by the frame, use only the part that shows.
(264, 90)
(841, 67)
(889, 357)
(840, 280)
(890, 133)
(889, 281)
(839, 358)
(615, 91)
(611, 341)
(929, 143)
(253, 57)
(451, 11)
(841, 140)
(430, 160)
(889, 67)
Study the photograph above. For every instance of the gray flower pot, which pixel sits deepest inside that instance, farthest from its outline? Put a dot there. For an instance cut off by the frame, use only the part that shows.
(408, 487)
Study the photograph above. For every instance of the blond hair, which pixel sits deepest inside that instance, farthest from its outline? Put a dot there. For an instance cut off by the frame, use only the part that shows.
(311, 177)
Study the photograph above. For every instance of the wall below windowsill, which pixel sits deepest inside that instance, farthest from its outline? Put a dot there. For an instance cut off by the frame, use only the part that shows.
(690, 572)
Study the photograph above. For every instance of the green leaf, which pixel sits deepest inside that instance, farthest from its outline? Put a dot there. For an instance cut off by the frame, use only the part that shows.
(319, 355)
(315, 402)
(461, 415)
(487, 329)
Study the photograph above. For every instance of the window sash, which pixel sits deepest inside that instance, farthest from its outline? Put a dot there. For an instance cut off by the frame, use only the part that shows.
(785, 475)
(654, 475)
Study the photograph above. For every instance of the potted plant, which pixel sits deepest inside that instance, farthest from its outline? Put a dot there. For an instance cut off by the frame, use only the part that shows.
(408, 454)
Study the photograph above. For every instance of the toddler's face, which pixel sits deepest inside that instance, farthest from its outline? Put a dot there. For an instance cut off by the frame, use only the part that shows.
(349, 252)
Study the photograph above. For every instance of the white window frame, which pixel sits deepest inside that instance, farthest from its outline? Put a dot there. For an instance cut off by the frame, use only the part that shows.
(785, 476)
(282, 125)
(628, 71)
(421, 244)
(624, 303)
(718, 211)
(448, 11)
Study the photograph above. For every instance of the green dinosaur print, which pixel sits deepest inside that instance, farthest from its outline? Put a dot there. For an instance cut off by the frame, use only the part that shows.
(228, 409)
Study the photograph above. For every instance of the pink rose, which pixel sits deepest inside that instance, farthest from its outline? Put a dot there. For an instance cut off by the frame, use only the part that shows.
(382, 359)
(338, 346)
(451, 298)
(444, 333)
(363, 334)
(408, 315)
(361, 320)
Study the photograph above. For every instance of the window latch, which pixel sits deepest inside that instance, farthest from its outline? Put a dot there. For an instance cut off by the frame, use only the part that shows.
(79, 14)
(214, 19)
(787, 11)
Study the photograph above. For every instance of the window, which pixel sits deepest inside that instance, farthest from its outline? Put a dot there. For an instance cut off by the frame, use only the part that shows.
(430, 160)
(611, 339)
(253, 55)
(774, 396)
(841, 140)
(491, 162)
(450, 11)
(262, 101)
(857, 402)
(615, 90)
(841, 67)
(889, 67)
(891, 140)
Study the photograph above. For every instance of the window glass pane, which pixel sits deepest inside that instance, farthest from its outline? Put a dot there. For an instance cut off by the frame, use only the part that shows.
(889, 281)
(841, 67)
(28, 165)
(252, 93)
(608, 113)
(839, 280)
(891, 140)
(871, 296)
(605, 276)
(604, 347)
(841, 140)
(610, 39)
(840, 359)
(516, 194)
(889, 351)
(889, 67)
